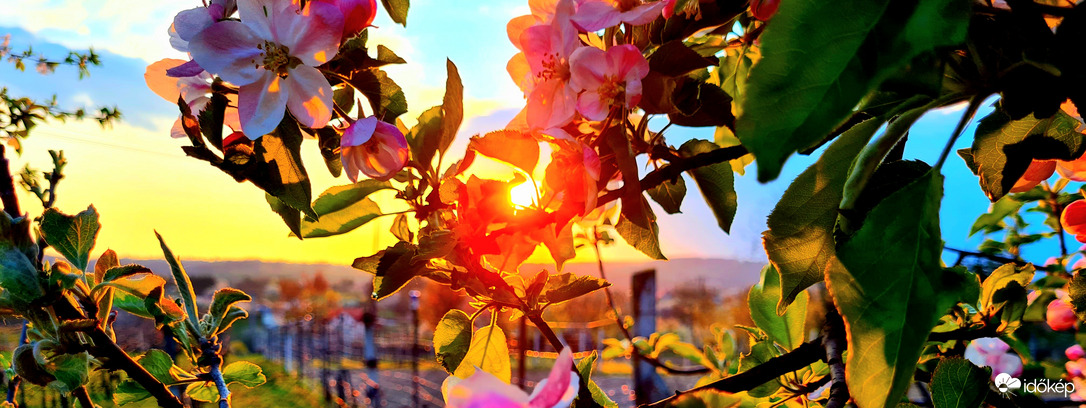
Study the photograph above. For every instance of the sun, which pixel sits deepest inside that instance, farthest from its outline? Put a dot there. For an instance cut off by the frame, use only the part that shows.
(522, 195)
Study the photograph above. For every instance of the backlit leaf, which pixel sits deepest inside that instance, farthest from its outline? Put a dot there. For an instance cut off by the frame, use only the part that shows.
(786, 330)
(716, 183)
(958, 383)
(452, 337)
(489, 351)
(71, 235)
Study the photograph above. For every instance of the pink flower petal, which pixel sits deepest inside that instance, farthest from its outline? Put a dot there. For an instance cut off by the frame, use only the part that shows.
(257, 15)
(313, 34)
(188, 23)
(552, 103)
(516, 27)
(310, 98)
(633, 93)
(483, 390)
(228, 49)
(588, 66)
(359, 132)
(543, 9)
(590, 105)
(595, 15)
(644, 13)
(626, 62)
(177, 131)
(557, 386)
(188, 69)
(261, 105)
(520, 72)
(160, 83)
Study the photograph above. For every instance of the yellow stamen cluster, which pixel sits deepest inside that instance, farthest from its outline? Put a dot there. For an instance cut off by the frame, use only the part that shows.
(277, 58)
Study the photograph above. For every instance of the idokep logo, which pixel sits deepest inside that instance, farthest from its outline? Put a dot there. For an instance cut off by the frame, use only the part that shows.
(1005, 383)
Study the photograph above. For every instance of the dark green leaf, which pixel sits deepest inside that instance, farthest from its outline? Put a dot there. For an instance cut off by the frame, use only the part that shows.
(646, 240)
(701, 104)
(425, 137)
(800, 241)
(763, 298)
(567, 286)
(716, 182)
(760, 352)
(590, 395)
(281, 172)
(1003, 148)
(386, 56)
(1003, 294)
(674, 59)
(342, 221)
(452, 106)
(824, 58)
(395, 268)
(669, 195)
(397, 9)
(452, 338)
(291, 216)
(993, 219)
(891, 288)
(71, 235)
(18, 276)
(957, 383)
(386, 98)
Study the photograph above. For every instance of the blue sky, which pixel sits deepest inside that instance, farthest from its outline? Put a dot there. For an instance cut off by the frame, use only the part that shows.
(137, 158)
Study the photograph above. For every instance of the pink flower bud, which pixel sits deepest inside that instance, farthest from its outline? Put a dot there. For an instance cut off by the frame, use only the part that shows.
(357, 15)
(1060, 315)
(993, 352)
(1075, 352)
(377, 149)
(1073, 220)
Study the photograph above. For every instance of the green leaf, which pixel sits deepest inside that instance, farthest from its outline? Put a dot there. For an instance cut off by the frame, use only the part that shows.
(71, 235)
(425, 137)
(18, 276)
(386, 97)
(786, 330)
(452, 106)
(138, 284)
(282, 173)
(646, 240)
(488, 351)
(510, 146)
(890, 287)
(1003, 148)
(181, 279)
(716, 182)
(70, 370)
(567, 286)
(341, 209)
(760, 352)
(105, 262)
(452, 337)
(957, 383)
(397, 9)
(129, 392)
(290, 215)
(386, 56)
(669, 195)
(125, 271)
(1003, 294)
(590, 394)
(674, 58)
(1076, 289)
(800, 240)
(222, 302)
(824, 58)
(395, 268)
(994, 217)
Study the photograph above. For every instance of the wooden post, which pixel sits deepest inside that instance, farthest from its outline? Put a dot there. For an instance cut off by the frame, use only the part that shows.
(648, 386)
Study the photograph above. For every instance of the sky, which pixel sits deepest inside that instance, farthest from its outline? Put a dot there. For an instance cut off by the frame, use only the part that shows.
(139, 180)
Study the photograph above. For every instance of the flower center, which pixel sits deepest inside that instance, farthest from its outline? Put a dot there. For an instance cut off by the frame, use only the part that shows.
(612, 90)
(554, 68)
(277, 58)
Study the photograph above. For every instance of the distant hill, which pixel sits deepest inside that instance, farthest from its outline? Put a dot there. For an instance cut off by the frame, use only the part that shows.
(728, 275)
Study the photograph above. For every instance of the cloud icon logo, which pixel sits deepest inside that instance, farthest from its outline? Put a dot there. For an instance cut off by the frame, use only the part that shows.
(1004, 382)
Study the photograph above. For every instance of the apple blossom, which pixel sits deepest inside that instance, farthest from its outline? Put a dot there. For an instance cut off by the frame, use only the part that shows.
(188, 23)
(594, 15)
(1038, 171)
(484, 390)
(573, 175)
(1074, 170)
(994, 353)
(195, 90)
(609, 79)
(377, 149)
(1075, 352)
(1073, 219)
(542, 70)
(1060, 315)
(271, 54)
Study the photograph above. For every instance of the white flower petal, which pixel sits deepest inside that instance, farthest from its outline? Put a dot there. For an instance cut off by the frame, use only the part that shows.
(313, 34)
(256, 14)
(261, 105)
(310, 96)
(228, 49)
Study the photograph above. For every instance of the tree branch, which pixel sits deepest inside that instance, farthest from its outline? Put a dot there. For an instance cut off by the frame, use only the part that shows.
(802, 356)
(835, 344)
(991, 257)
(83, 397)
(675, 169)
(105, 347)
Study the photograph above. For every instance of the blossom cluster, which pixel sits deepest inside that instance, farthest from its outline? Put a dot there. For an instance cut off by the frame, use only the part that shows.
(269, 61)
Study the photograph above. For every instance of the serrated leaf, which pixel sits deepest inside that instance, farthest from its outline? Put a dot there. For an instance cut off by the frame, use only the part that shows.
(104, 263)
(290, 215)
(1003, 148)
(716, 183)
(669, 195)
(567, 286)
(120, 272)
(760, 352)
(891, 288)
(397, 10)
(395, 268)
(518, 149)
(646, 240)
(826, 56)
(763, 298)
(800, 240)
(281, 171)
(71, 235)
(452, 337)
(1003, 294)
(181, 279)
(221, 303)
(489, 352)
(958, 383)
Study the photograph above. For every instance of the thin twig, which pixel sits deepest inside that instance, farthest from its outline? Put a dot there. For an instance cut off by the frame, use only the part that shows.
(676, 168)
(83, 397)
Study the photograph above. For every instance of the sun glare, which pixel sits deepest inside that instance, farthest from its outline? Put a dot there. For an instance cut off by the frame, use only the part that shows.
(522, 195)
